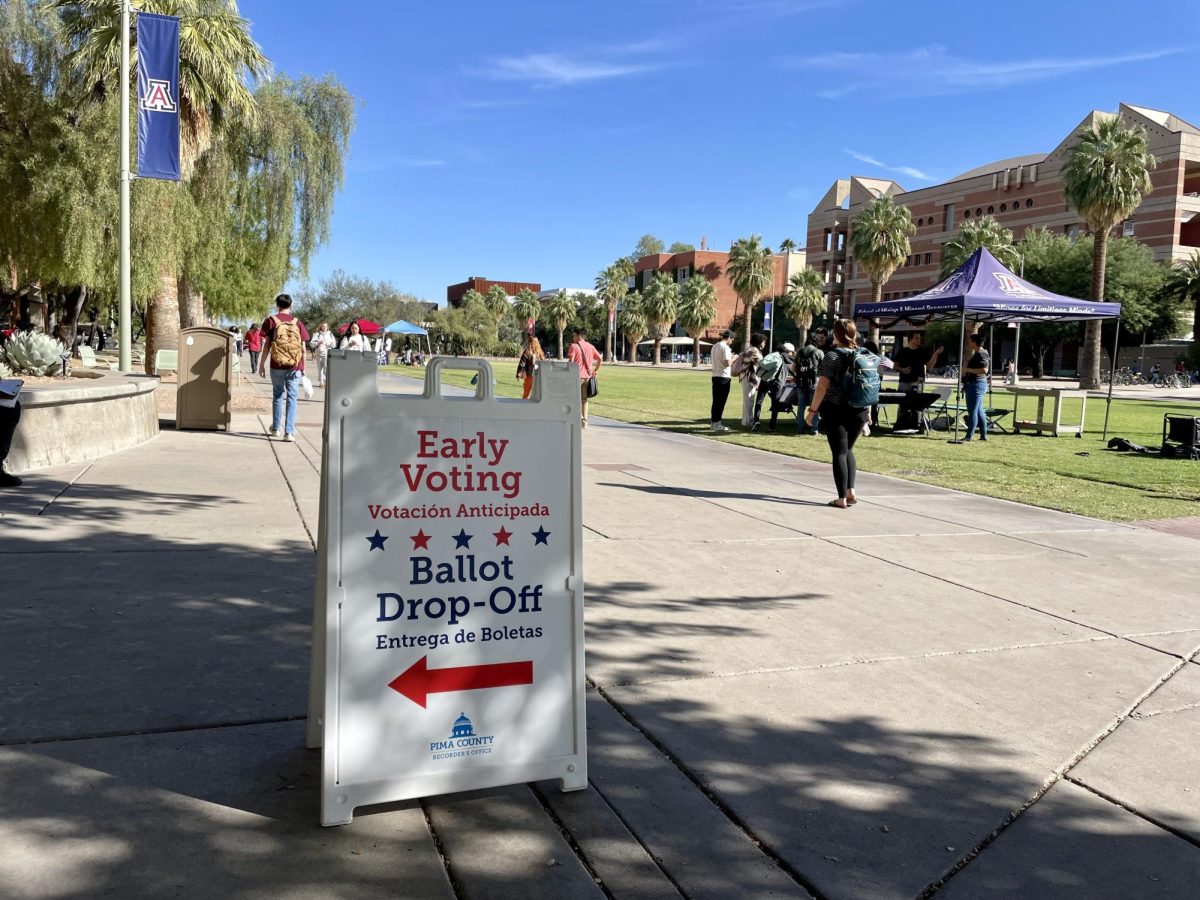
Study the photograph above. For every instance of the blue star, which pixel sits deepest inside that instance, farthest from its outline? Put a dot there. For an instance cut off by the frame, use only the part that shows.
(462, 539)
(377, 540)
(540, 536)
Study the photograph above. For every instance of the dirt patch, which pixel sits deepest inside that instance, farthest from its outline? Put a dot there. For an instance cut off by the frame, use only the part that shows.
(241, 402)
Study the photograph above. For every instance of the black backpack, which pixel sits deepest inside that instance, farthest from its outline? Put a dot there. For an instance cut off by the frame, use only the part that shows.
(806, 371)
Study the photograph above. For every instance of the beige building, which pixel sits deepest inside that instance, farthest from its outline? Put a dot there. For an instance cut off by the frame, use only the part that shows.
(1021, 192)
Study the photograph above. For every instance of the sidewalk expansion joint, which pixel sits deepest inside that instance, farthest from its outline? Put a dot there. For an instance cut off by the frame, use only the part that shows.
(1133, 810)
(872, 660)
(766, 849)
(1060, 774)
(570, 838)
(292, 492)
(176, 729)
(447, 869)
(66, 487)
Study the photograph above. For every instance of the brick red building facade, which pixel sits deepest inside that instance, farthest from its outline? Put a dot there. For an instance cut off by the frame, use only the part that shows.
(454, 293)
(1022, 192)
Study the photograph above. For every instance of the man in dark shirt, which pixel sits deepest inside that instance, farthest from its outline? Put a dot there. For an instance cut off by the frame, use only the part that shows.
(284, 340)
(913, 360)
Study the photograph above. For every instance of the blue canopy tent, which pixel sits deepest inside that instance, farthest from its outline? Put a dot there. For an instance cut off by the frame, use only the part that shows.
(403, 327)
(983, 288)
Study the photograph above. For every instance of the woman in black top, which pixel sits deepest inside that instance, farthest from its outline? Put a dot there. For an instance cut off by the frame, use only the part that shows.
(843, 422)
(975, 382)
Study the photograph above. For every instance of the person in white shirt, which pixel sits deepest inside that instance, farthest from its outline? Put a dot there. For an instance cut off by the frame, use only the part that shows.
(322, 342)
(354, 339)
(722, 359)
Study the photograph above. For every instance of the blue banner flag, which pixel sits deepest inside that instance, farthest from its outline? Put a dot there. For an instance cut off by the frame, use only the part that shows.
(768, 308)
(158, 96)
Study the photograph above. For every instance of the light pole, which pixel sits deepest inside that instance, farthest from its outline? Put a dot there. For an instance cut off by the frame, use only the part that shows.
(1016, 375)
(125, 327)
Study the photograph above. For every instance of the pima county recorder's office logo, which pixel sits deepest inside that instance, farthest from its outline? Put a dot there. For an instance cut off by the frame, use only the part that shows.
(158, 96)
(1011, 286)
(463, 741)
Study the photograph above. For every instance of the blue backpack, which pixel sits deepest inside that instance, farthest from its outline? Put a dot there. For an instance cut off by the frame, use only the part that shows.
(860, 383)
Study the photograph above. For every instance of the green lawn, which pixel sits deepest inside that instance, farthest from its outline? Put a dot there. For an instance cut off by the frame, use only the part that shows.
(1075, 475)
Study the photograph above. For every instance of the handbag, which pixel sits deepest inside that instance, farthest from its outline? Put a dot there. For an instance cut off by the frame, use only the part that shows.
(786, 396)
(592, 387)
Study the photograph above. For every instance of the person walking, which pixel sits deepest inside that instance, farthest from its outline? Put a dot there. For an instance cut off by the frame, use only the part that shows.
(746, 369)
(254, 342)
(808, 362)
(284, 337)
(722, 361)
(237, 339)
(843, 422)
(354, 339)
(10, 416)
(531, 357)
(588, 359)
(322, 342)
(975, 384)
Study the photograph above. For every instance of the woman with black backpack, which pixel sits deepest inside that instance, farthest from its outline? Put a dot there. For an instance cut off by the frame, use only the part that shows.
(843, 422)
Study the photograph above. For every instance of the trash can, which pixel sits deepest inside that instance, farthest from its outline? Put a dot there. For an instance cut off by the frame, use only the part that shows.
(205, 393)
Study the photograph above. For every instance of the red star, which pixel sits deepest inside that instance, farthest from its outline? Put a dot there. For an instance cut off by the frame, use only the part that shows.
(420, 540)
(502, 536)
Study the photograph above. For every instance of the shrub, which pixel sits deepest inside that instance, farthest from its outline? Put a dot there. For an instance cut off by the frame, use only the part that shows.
(34, 354)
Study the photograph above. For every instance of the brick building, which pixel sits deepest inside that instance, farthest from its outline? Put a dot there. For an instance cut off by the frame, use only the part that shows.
(1021, 192)
(711, 264)
(454, 293)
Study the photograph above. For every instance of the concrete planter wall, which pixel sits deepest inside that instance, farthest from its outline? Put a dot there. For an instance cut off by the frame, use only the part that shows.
(83, 419)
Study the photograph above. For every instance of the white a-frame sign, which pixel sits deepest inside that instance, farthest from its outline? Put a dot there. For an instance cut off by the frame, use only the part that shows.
(448, 628)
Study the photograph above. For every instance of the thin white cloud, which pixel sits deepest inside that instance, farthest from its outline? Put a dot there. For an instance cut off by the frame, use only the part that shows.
(932, 71)
(560, 69)
(417, 162)
(901, 170)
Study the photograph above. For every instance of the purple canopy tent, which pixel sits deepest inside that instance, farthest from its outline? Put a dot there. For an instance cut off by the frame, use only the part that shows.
(983, 288)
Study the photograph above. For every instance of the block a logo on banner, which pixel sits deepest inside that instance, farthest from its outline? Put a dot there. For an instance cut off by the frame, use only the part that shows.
(158, 96)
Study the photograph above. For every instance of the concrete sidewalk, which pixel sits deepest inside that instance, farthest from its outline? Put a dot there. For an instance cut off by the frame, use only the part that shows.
(930, 694)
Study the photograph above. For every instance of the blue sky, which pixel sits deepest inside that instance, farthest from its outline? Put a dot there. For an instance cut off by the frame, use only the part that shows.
(537, 141)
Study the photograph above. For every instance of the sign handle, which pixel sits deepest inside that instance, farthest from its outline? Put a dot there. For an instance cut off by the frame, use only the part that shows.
(481, 367)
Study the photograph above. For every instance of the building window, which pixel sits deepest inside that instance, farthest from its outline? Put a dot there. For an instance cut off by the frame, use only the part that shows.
(1028, 203)
(1127, 228)
(948, 217)
(966, 214)
(682, 275)
(928, 258)
(1071, 231)
(841, 241)
(978, 212)
(991, 209)
(825, 270)
(920, 222)
(838, 274)
(1003, 207)
(828, 239)
(853, 291)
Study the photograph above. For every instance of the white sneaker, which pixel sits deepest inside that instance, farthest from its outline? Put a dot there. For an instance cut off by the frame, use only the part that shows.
(288, 438)
(720, 427)
(273, 432)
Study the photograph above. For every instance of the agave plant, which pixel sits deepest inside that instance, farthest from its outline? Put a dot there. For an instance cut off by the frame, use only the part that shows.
(5, 371)
(34, 354)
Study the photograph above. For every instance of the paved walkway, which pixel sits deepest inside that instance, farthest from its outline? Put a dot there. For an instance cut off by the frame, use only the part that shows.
(932, 693)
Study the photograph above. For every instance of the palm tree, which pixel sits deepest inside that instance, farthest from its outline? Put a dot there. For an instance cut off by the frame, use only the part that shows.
(633, 322)
(879, 241)
(496, 301)
(613, 284)
(751, 272)
(1185, 287)
(560, 310)
(217, 60)
(803, 300)
(697, 309)
(527, 308)
(1104, 178)
(471, 297)
(976, 233)
(787, 245)
(660, 304)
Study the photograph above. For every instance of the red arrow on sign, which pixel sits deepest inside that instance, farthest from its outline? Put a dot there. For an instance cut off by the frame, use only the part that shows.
(419, 681)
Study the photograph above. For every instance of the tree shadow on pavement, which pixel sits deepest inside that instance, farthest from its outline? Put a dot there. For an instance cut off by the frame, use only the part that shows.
(703, 494)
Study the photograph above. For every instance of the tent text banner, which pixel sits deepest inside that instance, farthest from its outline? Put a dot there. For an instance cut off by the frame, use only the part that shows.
(448, 627)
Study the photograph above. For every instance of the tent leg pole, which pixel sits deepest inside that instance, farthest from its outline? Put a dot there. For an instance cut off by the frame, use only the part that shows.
(1112, 375)
(991, 351)
(1016, 375)
(962, 349)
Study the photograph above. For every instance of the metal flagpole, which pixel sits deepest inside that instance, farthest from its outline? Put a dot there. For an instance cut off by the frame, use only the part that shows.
(125, 316)
(1112, 376)
(962, 349)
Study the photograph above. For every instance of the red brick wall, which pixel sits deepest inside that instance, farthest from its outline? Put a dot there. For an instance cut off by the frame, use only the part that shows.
(454, 293)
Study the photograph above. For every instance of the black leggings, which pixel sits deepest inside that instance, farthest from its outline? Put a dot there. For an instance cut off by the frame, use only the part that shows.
(9, 417)
(720, 394)
(843, 425)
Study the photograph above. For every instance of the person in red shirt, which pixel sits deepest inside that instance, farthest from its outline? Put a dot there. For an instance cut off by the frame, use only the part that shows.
(284, 338)
(254, 342)
(588, 359)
